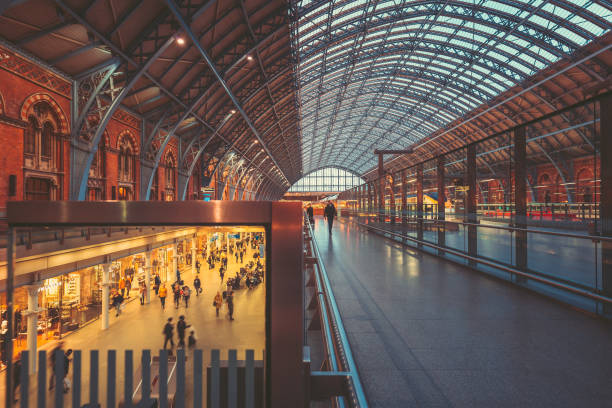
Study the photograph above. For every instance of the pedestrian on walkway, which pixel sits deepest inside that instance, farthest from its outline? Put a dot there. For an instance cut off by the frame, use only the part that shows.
(329, 213)
(197, 285)
(122, 286)
(221, 272)
(128, 286)
(117, 301)
(178, 274)
(230, 304)
(157, 284)
(186, 292)
(168, 333)
(218, 302)
(176, 290)
(163, 292)
(191, 341)
(143, 293)
(181, 326)
(197, 265)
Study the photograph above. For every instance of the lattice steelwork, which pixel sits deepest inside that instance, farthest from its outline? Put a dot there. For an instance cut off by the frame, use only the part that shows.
(386, 74)
(327, 180)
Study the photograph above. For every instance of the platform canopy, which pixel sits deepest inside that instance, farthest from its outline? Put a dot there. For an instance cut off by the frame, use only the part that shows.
(388, 74)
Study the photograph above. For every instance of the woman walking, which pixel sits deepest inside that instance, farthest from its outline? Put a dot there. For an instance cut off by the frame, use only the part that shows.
(218, 302)
(162, 293)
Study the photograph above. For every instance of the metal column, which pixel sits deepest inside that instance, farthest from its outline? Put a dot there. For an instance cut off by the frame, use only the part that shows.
(606, 197)
(471, 204)
(392, 201)
(441, 201)
(404, 198)
(148, 275)
(381, 189)
(520, 199)
(419, 209)
(105, 294)
(32, 333)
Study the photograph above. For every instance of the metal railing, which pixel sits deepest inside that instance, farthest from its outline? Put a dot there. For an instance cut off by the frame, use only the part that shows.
(342, 375)
(161, 381)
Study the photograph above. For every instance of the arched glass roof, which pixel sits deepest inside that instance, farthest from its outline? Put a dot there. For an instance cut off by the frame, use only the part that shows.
(385, 74)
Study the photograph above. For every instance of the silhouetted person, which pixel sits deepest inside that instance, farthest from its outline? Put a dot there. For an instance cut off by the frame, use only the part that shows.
(310, 213)
(181, 326)
(329, 213)
(230, 304)
(168, 333)
(197, 285)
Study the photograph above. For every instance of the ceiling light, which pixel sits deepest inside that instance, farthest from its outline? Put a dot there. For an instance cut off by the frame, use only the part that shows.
(180, 41)
(233, 111)
(249, 58)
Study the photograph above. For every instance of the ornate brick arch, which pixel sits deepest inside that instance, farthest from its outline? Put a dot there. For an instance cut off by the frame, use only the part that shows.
(126, 134)
(37, 97)
(170, 154)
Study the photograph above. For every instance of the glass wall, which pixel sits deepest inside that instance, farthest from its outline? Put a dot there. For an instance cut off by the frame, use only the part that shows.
(327, 180)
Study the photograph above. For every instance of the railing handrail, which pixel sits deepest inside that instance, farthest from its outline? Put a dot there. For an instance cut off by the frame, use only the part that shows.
(531, 231)
(496, 265)
(359, 394)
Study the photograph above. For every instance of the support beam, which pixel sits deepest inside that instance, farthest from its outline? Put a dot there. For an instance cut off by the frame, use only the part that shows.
(471, 203)
(173, 7)
(606, 197)
(419, 205)
(520, 199)
(441, 204)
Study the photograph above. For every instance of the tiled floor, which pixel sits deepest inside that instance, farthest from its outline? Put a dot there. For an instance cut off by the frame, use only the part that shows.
(428, 333)
(140, 327)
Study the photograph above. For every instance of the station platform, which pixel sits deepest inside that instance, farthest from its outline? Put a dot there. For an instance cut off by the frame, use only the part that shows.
(430, 333)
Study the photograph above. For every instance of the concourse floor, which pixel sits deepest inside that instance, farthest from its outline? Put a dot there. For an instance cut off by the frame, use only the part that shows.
(140, 327)
(429, 333)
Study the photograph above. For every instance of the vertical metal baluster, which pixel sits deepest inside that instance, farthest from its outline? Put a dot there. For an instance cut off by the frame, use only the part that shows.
(179, 399)
(197, 378)
(232, 390)
(249, 379)
(24, 379)
(59, 378)
(163, 379)
(41, 399)
(110, 379)
(93, 377)
(146, 376)
(128, 384)
(76, 379)
(214, 378)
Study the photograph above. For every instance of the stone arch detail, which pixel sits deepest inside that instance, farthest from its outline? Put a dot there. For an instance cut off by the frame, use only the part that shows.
(38, 97)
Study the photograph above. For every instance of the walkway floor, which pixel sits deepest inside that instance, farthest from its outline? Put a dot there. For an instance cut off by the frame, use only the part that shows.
(429, 333)
(140, 327)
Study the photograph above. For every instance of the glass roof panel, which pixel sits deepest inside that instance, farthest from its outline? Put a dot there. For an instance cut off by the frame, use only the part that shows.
(389, 73)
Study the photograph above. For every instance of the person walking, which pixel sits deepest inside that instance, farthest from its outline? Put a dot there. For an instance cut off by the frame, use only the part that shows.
(197, 265)
(310, 213)
(157, 284)
(197, 285)
(230, 304)
(218, 302)
(168, 333)
(128, 286)
(178, 274)
(191, 341)
(163, 292)
(221, 273)
(181, 326)
(176, 290)
(117, 301)
(143, 293)
(122, 286)
(186, 294)
(329, 213)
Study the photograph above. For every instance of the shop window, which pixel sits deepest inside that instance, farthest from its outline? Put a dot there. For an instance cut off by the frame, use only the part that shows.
(125, 193)
(37, 189)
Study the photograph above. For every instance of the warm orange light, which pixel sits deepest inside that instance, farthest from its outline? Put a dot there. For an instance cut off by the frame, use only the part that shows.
(180, 41)
(249, 58)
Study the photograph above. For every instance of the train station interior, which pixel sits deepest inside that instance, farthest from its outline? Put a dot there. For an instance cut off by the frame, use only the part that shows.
(306, 203)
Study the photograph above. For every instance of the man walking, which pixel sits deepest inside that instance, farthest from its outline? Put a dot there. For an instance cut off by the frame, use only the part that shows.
(329, 213)
(168, 331)
(230, 304)
(181, 327)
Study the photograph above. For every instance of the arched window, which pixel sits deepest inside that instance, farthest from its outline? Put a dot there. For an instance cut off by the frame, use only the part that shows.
(126, 161)
(170, 178)
(329, 179)
(29, 145)
(47, 137)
